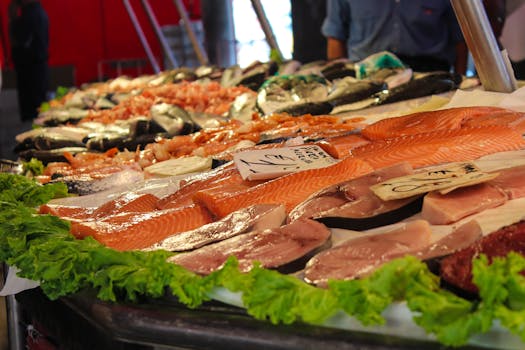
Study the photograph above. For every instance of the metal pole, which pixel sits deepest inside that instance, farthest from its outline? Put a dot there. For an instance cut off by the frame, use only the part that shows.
(14, 316)
(160, 35)
(201, 55)
(491, 66)
(266, 27)
(14, 322)
(141, 35)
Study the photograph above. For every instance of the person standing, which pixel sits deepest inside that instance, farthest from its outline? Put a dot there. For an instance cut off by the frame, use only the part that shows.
(424, 34)
(29, 38)
(513, 36)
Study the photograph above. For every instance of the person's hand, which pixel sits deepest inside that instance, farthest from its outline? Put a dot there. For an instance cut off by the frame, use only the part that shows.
(13, 9)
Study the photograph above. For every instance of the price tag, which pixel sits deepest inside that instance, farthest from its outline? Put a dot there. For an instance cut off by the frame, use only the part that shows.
(445, 179)
(275, 162)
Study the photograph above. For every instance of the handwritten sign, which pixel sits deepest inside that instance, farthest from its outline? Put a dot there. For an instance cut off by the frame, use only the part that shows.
(275, 162)
(445, 179)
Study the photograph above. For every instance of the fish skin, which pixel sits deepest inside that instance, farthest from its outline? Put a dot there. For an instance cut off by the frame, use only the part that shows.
(130, 202)
(446, 119)
(429, 84)
(441, 146)
(360, 256)
(271, 248)
(255, 217)
(336, 197)
(131, 231)
(289, 189)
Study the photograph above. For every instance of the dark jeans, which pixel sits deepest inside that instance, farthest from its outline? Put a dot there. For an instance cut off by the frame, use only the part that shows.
(519, 69)
(425, 63)
(32, 85)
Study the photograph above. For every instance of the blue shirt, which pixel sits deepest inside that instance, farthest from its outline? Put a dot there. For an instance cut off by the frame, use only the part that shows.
(404, 27)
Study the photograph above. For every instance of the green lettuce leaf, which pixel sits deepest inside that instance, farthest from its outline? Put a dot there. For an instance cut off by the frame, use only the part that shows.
(286, 299)
(34, 167)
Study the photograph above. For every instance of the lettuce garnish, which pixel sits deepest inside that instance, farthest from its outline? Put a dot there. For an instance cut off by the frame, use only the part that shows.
(42, 248)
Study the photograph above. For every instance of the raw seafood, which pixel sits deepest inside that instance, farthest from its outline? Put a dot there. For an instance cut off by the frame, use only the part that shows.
(271, 248)
(129, 231)
(441, 209)
(445, 119)
(289, 190)
(456, 269)
(352, 198)
(360, 256)
(130, 202)
(459, 238)
(441, 146)
(254, 218)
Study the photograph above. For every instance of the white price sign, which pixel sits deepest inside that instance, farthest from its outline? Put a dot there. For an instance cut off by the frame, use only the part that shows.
(275, 162)
(445, 179)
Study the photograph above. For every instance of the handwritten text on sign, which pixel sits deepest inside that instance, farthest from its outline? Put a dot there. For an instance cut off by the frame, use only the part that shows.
(275, 162)
(445, 179)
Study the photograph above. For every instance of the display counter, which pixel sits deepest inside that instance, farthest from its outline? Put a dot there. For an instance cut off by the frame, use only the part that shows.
(82, 321)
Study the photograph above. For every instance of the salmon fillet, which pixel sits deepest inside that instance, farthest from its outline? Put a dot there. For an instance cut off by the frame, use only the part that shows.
(441, 146)
(446, 119)
(129, 231)
(289, 190)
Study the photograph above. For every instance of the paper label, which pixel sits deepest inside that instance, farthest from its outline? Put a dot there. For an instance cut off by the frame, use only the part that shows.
(275, 162)
(446, 179)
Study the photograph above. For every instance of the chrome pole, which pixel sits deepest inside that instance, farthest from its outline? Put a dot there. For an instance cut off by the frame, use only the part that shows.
(201, 55)
(160, 35)
(142, 37)
(266, 27)
(15, 331)
(492, 67)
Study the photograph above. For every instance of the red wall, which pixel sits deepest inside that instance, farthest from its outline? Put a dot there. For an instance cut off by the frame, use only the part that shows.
(83, 33)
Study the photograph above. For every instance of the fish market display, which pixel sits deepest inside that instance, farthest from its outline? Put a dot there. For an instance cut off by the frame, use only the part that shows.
(156, 160)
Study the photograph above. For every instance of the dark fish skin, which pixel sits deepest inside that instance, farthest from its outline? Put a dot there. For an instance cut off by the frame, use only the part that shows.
(424, 86)
(121, 143)
(254, 76)
(356, 92)
(48, 143)
(313, 108)
(338, 70)
(48, 156)
(383, 219)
